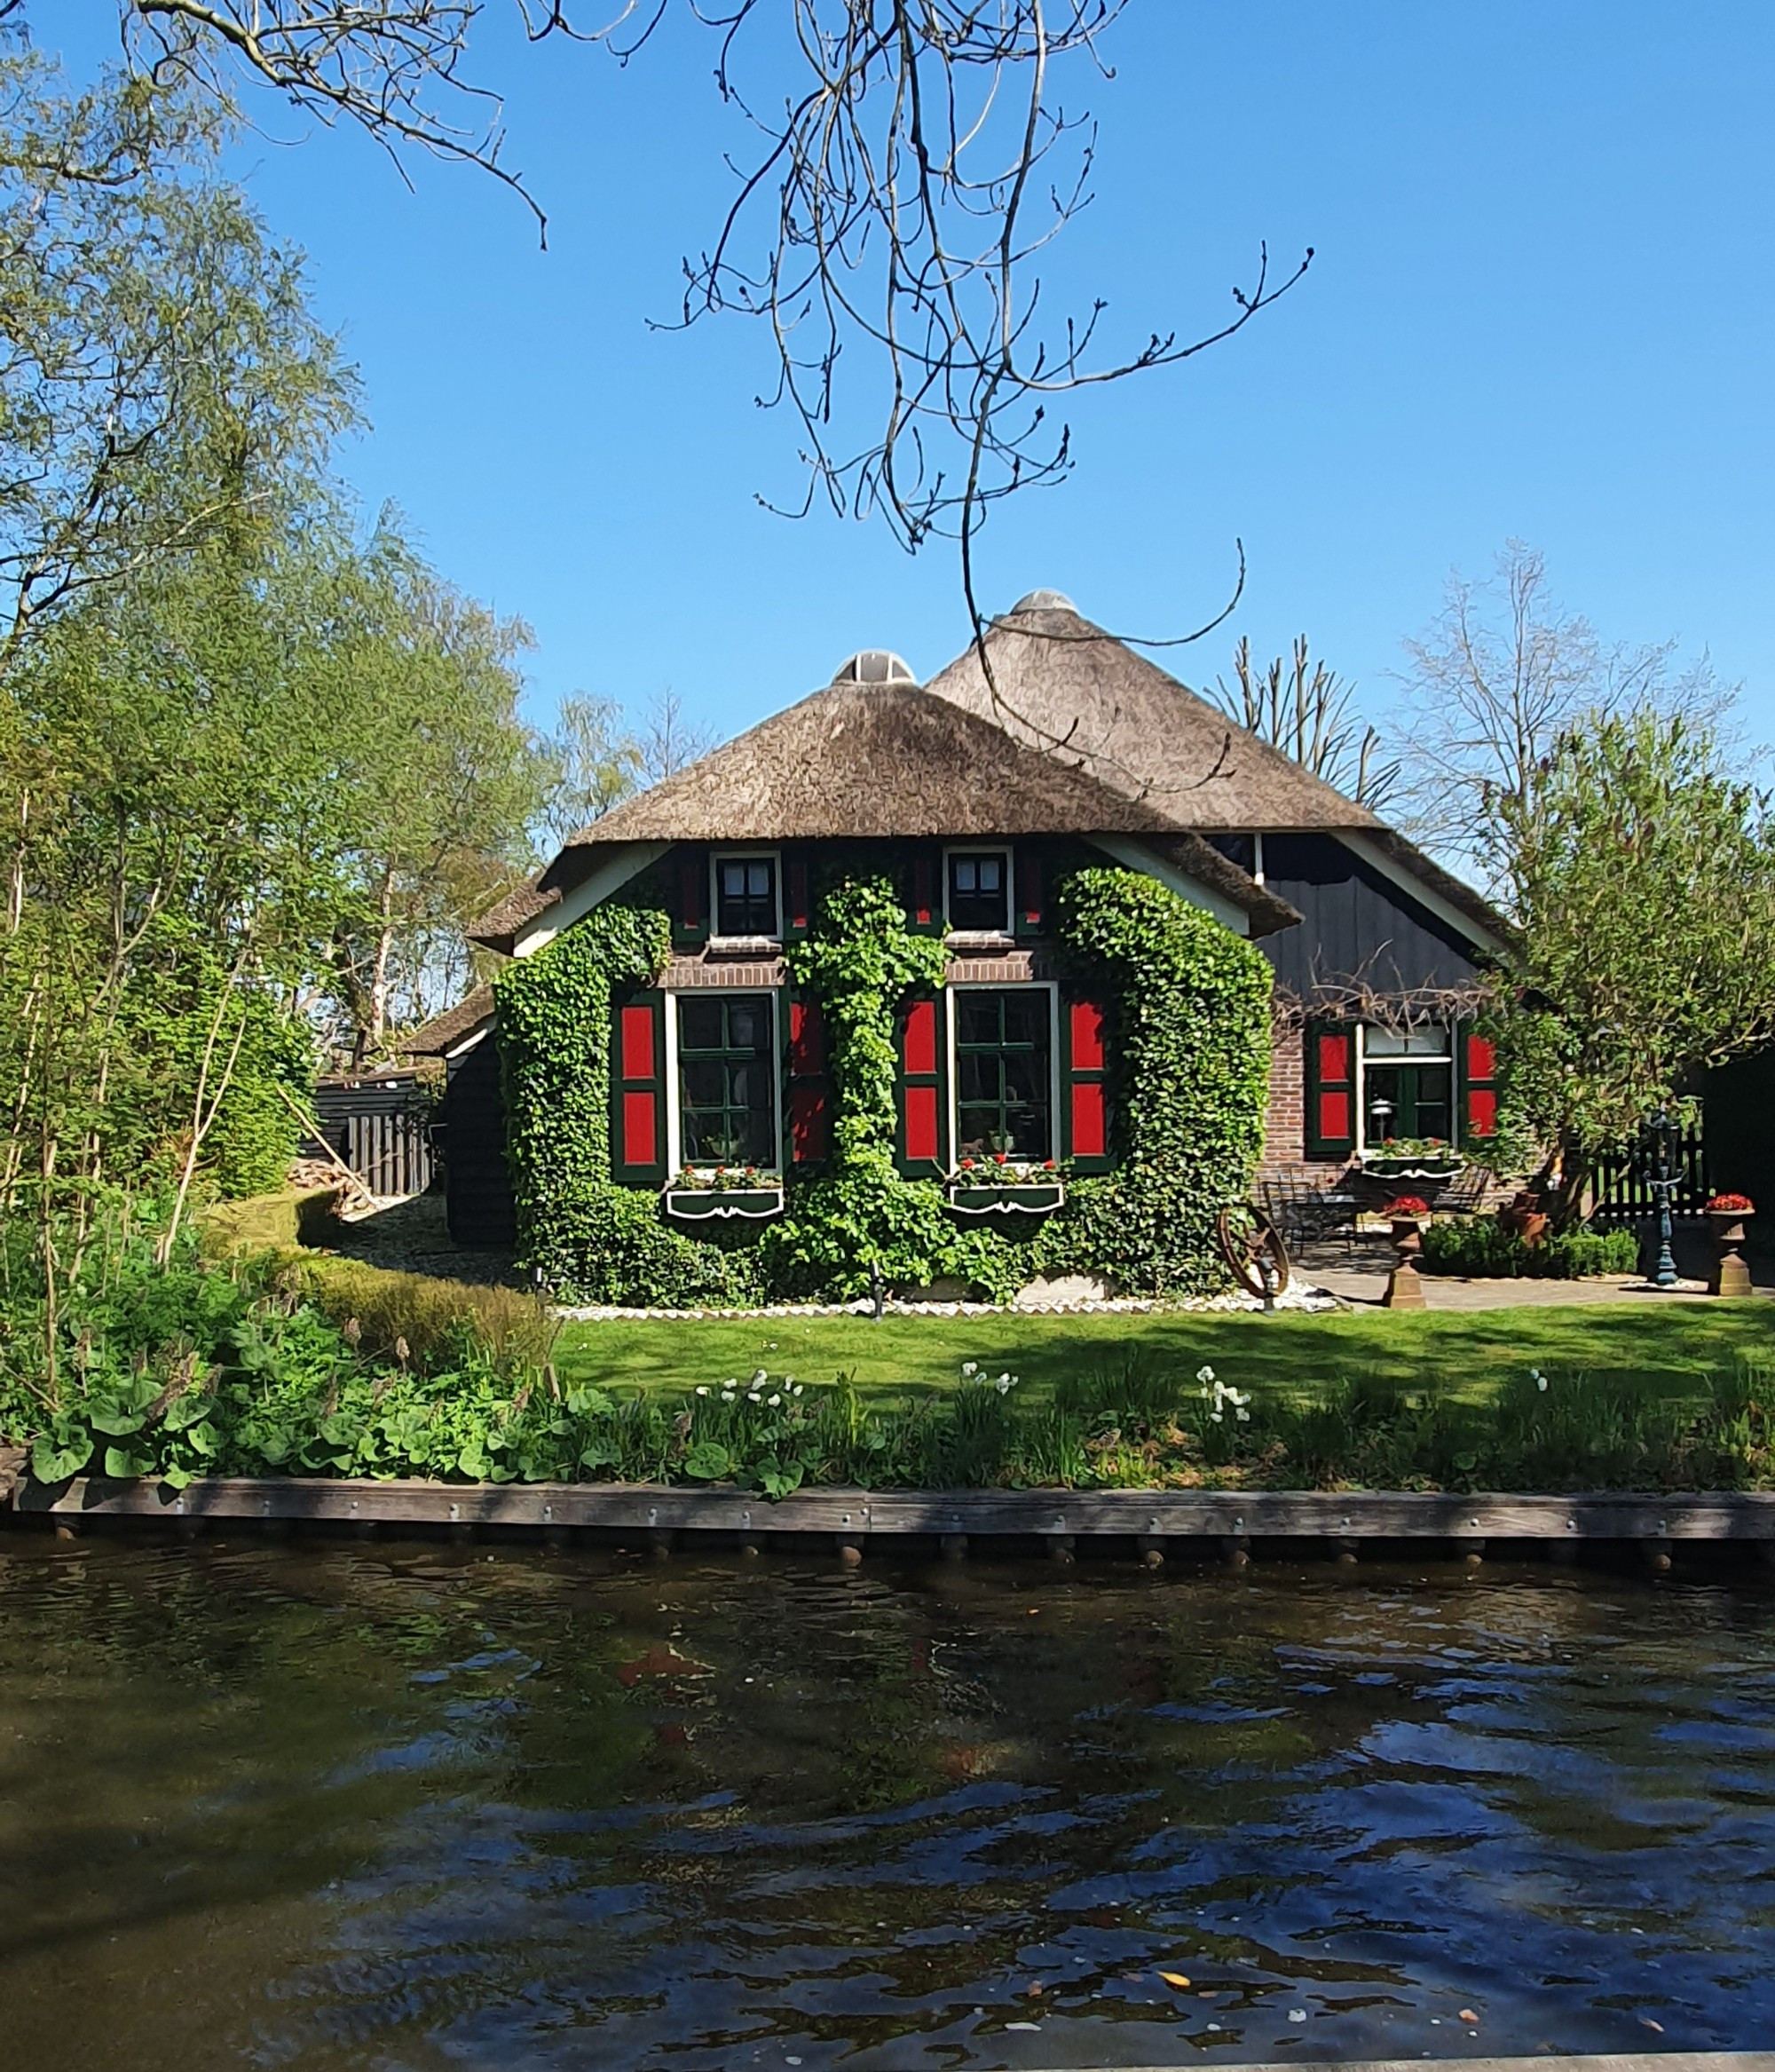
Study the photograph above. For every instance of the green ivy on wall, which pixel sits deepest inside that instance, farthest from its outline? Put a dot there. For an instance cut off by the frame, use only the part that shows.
(591, 1240)
(861, 961)
(1190, 1068)
(1190, 1071)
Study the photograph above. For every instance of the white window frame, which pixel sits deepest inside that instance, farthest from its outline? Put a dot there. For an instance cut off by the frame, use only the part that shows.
(675, 1092)
(1008, 933)
(717, 857)
(1051, 988)
(1362, 1078)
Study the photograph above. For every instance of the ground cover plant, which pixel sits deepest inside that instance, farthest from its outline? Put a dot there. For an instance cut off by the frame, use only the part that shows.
(1480, 1247)
(275, 1362)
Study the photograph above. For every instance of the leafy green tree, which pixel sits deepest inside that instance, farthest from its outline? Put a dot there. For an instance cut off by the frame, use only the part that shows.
(1641, 875)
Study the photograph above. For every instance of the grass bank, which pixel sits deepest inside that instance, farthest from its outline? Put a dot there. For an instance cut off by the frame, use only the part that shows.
(1660, 1345)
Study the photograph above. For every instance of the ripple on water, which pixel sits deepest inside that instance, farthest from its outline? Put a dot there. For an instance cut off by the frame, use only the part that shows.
(317, 1806)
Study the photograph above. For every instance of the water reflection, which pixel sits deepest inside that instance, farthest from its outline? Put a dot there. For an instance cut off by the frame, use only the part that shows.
(320, 1806)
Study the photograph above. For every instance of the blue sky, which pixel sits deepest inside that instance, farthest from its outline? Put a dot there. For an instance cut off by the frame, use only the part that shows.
(1542, 305)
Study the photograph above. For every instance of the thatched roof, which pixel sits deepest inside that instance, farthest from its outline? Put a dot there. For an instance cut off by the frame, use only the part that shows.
(1070, 689)
(1067, 686)
(443, 1032)
(874, 759)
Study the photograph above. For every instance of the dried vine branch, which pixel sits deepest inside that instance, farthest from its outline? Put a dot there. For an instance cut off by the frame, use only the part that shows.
(907, 175)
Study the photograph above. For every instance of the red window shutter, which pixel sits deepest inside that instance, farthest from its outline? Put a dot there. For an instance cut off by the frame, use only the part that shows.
(640, 1129)
(809, 1123)
(1330, 1091)
(1090, 1136)
(924, 896)
(1085, 1060)
(922, 1089)
(795, 889)
(691, 872)
(1029, 891)
(921, 1122)
(638, 1092)
(806, 1039)
(637, 1043)
(1479, 1090)
(921, 1038)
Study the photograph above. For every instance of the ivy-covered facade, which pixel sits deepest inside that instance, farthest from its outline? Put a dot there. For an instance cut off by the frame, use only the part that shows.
(894, 994)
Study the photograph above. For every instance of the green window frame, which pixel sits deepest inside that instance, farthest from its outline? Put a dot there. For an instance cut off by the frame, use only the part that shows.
(746, 894)
(977, 886)
(727, 1079)
(1408, 1091)
(1004, 1072)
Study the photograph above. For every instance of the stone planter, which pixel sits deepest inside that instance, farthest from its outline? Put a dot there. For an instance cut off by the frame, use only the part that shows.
(1404, 1288)
(1729, 1276)
(1007, 1199)
(711, 1204)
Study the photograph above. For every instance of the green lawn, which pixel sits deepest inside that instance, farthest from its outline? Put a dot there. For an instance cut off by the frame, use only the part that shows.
(1290, 1353)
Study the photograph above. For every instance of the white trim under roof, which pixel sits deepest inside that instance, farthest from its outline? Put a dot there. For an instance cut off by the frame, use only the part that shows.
(1402, 875)
(1135, 856)
(625, 861)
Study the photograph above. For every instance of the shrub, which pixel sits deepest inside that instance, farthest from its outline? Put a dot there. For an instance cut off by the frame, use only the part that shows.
(1482, 1249)
(431, 1317)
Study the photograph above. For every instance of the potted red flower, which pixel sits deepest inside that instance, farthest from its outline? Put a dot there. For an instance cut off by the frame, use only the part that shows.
(1406, 1212)
(1727, 1213)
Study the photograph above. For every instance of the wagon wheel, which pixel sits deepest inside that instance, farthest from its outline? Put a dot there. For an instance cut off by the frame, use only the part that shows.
(1252, 1247)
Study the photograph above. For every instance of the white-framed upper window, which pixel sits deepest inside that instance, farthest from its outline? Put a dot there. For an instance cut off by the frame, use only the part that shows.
(723, 1052)
(1404, 1084)
(1003, 1070)
(747, 893)
(977, 889)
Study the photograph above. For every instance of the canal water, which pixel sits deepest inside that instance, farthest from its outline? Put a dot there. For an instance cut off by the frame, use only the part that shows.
(392, 1806)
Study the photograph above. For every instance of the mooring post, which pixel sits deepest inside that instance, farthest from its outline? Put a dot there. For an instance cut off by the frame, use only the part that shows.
(1656, 1554)
(1152, 1550)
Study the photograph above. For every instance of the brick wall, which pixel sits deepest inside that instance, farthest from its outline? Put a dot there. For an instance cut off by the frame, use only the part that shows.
(1285, 1121)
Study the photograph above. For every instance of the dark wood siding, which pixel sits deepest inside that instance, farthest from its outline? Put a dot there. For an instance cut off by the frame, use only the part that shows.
(477, 1187)
(1358, 927)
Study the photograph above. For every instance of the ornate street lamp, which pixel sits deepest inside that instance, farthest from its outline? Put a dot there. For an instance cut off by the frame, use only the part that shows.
(1660, 1148)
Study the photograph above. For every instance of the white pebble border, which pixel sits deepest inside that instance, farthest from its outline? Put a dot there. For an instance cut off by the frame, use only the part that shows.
(1296, 1295)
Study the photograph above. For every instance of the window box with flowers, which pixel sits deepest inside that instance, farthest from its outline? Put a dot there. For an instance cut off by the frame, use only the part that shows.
(1000, 1185)
(1430, 1158)
(706, 1194)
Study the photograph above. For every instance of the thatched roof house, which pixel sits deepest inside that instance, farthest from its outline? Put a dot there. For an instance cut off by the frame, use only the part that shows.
(974, 787)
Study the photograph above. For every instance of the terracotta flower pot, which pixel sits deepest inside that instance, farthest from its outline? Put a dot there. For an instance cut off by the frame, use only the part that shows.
(1729, 1276)
(1404, 1289)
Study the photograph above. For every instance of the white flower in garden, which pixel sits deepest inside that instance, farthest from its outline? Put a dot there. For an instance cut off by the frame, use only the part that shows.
(797, 1389)
(1539, 1378)
(1244, 1416)
(1204, 1375)
(772, 1402)
(727, 1395)
(761, 1377)
(1215, 1418)
(970, 1367)
(702, 1389)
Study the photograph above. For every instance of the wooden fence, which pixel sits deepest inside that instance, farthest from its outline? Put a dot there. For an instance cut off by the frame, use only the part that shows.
(380, 1127)
(1624, 1196)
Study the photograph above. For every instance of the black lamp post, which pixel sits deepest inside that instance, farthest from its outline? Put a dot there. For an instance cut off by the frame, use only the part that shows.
(1660, 1144)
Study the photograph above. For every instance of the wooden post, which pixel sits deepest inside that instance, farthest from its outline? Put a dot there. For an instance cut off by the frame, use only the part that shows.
(1152, 1551)
(1062, 1549)
(850, 1552)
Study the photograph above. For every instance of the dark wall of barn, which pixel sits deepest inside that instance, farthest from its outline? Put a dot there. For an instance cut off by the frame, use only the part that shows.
(477, 1187)
(1357, 926)
(1738, 1109)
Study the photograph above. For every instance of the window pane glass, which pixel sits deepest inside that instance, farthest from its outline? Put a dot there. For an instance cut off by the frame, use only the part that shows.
(976, 892)
(1430, 1042)
(727, 1080)
(1004, 1049)
(699, 1024)
(745, 896)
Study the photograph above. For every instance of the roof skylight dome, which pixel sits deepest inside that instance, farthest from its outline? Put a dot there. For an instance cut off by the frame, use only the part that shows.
(874, 665)
(1044, 601)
